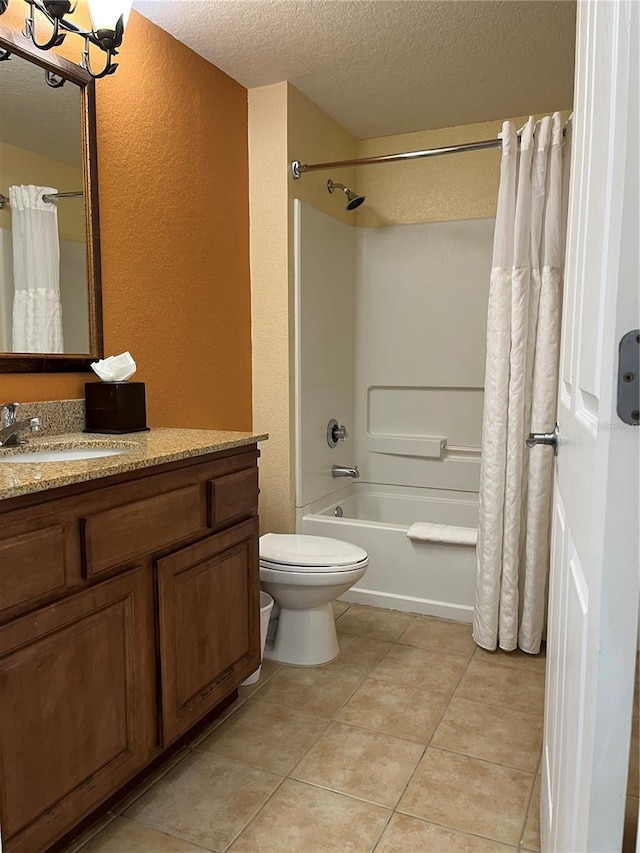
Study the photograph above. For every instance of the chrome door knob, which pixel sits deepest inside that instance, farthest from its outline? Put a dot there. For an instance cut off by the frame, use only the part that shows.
(550, 438)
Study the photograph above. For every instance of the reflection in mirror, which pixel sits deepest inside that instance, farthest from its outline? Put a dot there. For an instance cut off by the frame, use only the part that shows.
(44, 299)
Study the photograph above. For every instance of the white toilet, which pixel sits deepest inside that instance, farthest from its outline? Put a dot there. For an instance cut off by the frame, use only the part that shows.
(304, 574)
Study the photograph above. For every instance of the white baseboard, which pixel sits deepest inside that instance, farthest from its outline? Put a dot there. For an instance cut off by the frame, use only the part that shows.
(408, 604)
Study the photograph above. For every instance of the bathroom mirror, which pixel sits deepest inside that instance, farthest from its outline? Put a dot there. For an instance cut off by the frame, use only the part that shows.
(50, 294)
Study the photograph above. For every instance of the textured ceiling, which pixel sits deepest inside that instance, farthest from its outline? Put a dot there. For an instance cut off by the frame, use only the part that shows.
(390, 66)
(35, 116)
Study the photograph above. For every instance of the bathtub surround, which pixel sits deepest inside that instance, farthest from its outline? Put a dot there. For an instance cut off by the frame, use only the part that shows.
(523, 334)
(390, 341)
(421, 297)
(326, 270)
(402, 307)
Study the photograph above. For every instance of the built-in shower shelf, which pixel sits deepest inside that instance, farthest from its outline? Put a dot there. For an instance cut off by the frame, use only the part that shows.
(432, 446)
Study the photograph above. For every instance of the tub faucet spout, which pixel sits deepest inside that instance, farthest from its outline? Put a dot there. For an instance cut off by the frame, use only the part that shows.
(345, 471)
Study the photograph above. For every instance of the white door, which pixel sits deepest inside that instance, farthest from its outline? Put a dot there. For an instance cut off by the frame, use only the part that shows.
(593, 607)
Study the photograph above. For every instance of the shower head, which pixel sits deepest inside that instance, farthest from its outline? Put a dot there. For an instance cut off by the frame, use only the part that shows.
(353, 200)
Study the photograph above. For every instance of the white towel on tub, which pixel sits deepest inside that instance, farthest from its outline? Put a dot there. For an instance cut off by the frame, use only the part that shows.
(447, 534)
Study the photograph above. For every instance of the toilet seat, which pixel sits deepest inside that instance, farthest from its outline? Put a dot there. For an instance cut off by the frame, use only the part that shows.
(297, 553)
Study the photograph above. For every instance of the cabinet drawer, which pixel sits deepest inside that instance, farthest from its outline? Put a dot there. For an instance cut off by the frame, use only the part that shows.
(32, 566)
(132, 530)
(233, 496)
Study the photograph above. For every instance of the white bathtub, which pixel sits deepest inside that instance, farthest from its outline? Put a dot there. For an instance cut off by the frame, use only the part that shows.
(419, 577)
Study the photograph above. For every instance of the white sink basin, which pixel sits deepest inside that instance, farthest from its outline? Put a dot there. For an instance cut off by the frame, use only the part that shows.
(64, 454)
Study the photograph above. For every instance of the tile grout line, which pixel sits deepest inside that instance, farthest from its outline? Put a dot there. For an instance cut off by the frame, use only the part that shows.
(255, 815)
(312, 745)
(394, 810)
(288, 776)
(356, 799)
(428, 744)
(188, 750)
(485, 760)
(170, 834)
(426, 747)
(495, 707)
(513, 846)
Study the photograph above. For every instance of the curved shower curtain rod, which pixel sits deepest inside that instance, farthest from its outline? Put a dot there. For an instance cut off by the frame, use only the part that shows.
(298, 169)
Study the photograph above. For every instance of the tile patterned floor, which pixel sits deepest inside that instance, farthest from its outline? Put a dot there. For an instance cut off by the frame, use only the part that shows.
(413, 740)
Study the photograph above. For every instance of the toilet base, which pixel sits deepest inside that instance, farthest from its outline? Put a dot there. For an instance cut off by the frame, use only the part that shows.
(305, 637)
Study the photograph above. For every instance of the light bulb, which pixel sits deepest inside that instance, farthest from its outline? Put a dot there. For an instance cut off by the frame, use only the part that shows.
(106, 13)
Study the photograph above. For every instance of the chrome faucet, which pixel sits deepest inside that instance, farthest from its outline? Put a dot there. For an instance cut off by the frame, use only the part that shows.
(345, 471)
(11, 428)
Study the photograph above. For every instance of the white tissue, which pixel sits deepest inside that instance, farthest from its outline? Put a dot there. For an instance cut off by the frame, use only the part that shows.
(116, 368)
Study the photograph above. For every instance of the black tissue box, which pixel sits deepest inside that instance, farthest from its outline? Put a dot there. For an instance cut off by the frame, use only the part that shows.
(115, 407)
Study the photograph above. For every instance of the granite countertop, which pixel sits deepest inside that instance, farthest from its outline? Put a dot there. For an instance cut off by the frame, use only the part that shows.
(143, 450)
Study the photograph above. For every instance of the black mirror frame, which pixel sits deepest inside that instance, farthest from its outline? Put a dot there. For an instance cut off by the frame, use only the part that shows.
(63, 362)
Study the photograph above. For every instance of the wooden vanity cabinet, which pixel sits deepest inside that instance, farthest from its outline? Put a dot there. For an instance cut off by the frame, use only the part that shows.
(134, 613)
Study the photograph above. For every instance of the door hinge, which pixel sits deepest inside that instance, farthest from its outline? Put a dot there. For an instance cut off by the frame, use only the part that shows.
(629, 378)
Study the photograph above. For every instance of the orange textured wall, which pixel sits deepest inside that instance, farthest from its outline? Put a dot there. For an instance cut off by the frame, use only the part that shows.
(173, 181)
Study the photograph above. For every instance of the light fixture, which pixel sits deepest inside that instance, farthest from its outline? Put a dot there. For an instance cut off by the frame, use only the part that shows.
(108, 20)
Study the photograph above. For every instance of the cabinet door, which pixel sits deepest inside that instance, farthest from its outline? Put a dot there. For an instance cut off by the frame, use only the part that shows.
(209, 624)
(76, 707)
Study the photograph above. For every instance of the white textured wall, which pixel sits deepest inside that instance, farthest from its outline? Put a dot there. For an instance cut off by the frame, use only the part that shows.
(421, 304)
(325, 286)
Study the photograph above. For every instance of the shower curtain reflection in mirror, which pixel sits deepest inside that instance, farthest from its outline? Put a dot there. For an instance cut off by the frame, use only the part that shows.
(37, 309)
(43, 278)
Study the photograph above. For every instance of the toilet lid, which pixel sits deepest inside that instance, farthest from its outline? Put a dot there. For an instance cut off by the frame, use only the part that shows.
(293, 549)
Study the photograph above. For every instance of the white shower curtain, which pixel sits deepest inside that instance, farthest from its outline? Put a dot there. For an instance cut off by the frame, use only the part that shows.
(37, 311)
(523, 332)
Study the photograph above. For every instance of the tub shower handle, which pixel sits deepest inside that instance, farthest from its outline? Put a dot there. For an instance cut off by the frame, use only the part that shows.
(336, 432)
(550, 438)
(339, 433)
